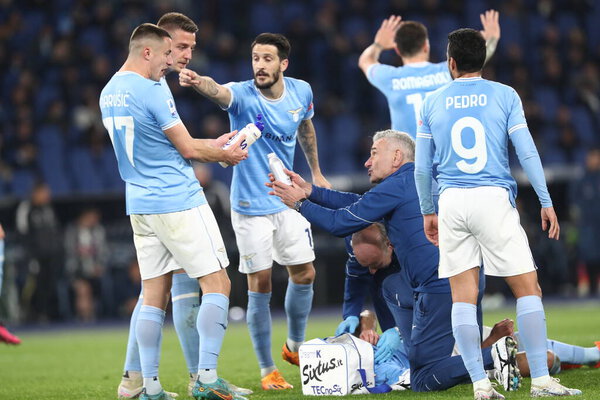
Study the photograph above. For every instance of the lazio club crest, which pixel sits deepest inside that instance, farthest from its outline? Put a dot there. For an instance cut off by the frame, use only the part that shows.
(295, 114)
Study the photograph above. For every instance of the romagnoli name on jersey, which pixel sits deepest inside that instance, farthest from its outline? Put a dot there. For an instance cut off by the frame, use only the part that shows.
(418, 82)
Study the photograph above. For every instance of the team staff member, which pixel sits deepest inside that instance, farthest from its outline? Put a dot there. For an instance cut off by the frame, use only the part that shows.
(394, 200)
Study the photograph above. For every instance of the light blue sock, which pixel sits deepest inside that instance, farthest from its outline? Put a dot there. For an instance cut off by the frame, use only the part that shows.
(532, 331)
(185, 295)
(258, 318)
(212, 323)
(132, 357)
(567, 353)
(468, 339)
(298, 302)
(148, 331)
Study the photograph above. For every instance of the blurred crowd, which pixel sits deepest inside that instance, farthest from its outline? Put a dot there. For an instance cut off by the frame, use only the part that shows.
(57, 55)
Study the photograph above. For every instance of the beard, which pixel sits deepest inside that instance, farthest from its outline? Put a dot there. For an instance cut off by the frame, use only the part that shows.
(269, 83)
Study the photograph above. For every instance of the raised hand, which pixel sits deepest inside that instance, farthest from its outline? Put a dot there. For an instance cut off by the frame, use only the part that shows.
(491, 26)
(387, 32)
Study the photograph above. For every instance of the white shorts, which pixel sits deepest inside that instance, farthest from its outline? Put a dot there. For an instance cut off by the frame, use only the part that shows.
(284, 237)
(187, 239)
(480, 225)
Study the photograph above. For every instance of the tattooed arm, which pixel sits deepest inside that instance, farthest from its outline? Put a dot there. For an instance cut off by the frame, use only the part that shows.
(206, 86)
(308, 141)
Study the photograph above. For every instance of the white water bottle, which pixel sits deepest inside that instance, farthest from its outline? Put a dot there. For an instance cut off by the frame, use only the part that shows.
(245, 137)
(276, 167)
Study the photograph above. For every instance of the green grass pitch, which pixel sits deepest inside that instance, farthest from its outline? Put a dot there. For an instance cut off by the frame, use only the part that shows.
(86, 364)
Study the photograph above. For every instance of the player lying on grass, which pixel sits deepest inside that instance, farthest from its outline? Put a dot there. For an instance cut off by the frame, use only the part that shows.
(368, 253)
(395, 370)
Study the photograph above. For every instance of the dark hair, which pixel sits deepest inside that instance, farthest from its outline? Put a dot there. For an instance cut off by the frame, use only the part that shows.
(410, 38)
(277, 40)
(467, 48)
(175, 20)
(148, 31)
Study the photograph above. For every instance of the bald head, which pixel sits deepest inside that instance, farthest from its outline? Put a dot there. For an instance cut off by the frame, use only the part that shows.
(372, 247)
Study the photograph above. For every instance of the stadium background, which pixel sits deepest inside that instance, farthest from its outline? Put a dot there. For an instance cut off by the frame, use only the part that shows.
(57, 55)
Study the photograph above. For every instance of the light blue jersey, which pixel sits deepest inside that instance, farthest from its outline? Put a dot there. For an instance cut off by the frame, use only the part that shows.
(281, 117)
(406, 88)
(135, 112)
(466, 126)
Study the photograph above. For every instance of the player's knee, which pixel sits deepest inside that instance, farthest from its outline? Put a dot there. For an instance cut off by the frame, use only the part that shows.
(304, 276)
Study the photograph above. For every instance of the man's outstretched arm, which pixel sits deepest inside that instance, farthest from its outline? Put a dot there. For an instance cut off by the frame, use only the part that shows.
(206, 86)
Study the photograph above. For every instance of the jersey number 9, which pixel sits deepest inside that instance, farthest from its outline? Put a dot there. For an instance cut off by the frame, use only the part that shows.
(478, 151)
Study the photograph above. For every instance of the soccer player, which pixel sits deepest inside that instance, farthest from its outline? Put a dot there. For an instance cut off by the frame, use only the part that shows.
(394, 200)
(407, 86)
(467, 123)
(266, 230)
(184, 291)
(172, 224)
(5, 335)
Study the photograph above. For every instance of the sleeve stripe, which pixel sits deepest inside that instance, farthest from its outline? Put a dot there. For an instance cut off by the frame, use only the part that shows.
(516, 128)
(170, 125)
(357, 217)
(424, 135)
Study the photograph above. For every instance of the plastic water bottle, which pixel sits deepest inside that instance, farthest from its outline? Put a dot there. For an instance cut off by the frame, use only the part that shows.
(246, 136)
(276, 167)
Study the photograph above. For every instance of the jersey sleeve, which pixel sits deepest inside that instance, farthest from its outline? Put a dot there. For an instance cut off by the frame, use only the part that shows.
(527, 153)
(379, 75)
(424, 152)
(237, 98)
(332, 198)
(355, 289)
(162, 107)
(368, 209)
(310, 110)
(516, 115)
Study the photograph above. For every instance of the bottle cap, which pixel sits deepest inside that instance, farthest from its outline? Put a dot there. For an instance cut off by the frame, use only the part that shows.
(259, 123)
(271, 155)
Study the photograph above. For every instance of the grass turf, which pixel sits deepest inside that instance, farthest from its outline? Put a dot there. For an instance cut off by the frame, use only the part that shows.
(86, 363)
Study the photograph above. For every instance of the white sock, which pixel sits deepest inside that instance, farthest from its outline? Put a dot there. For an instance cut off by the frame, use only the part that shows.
(152, 385)
(207, 375)
(266, 371)
(540, 381)
(482, 384)
(292, 345)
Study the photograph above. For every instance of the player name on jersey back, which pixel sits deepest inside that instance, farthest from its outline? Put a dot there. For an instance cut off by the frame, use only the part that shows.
(418, 82)
(114, 100)
(466, 101)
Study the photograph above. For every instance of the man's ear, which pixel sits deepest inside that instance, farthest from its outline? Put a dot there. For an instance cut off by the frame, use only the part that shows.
(398, 158)
(284, 65)
(451, 64)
